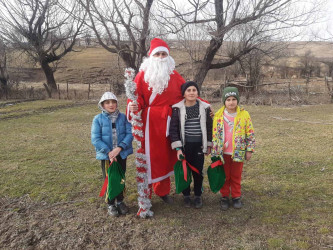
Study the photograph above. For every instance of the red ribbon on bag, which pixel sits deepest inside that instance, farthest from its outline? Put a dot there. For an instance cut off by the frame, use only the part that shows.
(184, 162)
(217, 163)
(105, 185)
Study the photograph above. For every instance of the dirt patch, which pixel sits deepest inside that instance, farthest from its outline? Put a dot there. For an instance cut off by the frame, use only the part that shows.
(10, 103)
(8, 115)
(26, 224)
(38, 225)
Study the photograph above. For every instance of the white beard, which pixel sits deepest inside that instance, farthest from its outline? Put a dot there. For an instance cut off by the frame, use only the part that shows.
(157, 72)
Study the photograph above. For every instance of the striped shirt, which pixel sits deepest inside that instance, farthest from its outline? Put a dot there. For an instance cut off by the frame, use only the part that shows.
(192, 124)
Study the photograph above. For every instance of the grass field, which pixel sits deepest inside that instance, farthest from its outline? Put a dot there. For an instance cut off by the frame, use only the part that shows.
(50, 182)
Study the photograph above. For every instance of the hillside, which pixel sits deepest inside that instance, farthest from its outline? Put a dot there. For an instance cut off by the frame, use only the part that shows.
(96, 65)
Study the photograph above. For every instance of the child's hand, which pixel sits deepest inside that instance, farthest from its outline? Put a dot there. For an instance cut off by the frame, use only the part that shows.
(114, 153)
(208, 151)
(248, 155)
(211, 113)
(113, 159)
(179, 152)
(133, 107)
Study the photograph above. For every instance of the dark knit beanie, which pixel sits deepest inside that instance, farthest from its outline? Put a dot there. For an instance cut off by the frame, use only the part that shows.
(189, 84)
(230, 91)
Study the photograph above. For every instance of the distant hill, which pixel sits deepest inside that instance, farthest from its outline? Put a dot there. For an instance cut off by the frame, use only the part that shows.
(96, 65)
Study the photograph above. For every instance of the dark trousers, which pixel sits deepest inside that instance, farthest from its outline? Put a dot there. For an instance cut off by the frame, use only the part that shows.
(104, 165)
(194, 156)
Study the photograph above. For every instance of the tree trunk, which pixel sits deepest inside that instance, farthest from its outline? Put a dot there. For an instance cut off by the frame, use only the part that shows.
(51, 83)
(4, 81)
(206, 62)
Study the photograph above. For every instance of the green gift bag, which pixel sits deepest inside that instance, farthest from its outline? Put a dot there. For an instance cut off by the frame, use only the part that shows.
(116, 180)
(216, 174)
(182, 182)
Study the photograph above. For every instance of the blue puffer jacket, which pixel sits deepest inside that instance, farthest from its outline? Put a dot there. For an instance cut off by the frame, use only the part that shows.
(101, 135)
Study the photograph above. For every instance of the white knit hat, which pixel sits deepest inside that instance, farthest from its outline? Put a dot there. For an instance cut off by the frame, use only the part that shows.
(107, 96)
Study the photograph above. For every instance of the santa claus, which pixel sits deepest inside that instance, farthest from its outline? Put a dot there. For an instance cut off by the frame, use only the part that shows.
(158, 88)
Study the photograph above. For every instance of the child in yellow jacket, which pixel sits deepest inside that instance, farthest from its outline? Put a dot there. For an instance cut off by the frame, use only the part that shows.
(233, 141)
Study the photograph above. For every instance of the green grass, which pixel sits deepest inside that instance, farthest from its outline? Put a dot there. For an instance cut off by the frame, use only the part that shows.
(287, 186)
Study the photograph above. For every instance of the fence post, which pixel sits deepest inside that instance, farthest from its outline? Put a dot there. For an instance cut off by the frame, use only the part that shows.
(88, 90)
(58, 91)
(47, 90)
(289, 91)
(330, 88)
(67, 90)
(32, 92)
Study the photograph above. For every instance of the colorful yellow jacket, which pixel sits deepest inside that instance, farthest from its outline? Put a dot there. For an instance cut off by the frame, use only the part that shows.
(243, 135)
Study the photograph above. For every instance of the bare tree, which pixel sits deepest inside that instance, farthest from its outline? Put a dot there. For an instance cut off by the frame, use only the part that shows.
(44, 29)
(87, 38)
(253, 62)
(329, 63)
(121, 27)
(4, 77)
(224, 19)
(308, 64)
(192, 41)
(3, 67)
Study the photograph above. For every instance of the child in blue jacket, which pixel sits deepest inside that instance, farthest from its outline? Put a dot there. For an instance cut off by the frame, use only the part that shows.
(111, 134)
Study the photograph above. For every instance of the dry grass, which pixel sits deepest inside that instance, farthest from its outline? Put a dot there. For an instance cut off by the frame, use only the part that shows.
(47, 156)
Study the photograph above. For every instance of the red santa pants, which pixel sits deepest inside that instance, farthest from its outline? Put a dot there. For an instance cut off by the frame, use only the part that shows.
(162, 187)
(233, 176)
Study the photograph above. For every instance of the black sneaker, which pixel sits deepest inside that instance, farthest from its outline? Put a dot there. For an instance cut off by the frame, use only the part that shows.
(167, 199)
(113, 211)
(122, 208)
(198, 202)
(224, 203)
(187, 201)
(236, 202)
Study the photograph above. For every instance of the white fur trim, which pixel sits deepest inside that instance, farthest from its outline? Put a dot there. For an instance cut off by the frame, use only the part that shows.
(128, 112)
(152, 98)
(176, 144)
(147, 147)
(158, 49)
(168, 126)
(162, 177)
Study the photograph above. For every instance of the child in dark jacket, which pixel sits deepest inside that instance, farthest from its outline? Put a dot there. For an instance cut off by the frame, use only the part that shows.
(191, 135)
(111, 134)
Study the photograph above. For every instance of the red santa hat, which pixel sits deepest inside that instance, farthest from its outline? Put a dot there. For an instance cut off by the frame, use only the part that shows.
(157, 45)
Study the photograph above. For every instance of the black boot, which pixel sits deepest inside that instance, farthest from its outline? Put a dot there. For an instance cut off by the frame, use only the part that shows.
(236, 202)
(224, 203)
(198, 202)
(167, 199)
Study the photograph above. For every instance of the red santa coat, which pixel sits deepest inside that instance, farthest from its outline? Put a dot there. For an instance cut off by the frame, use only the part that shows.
(156, 115)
